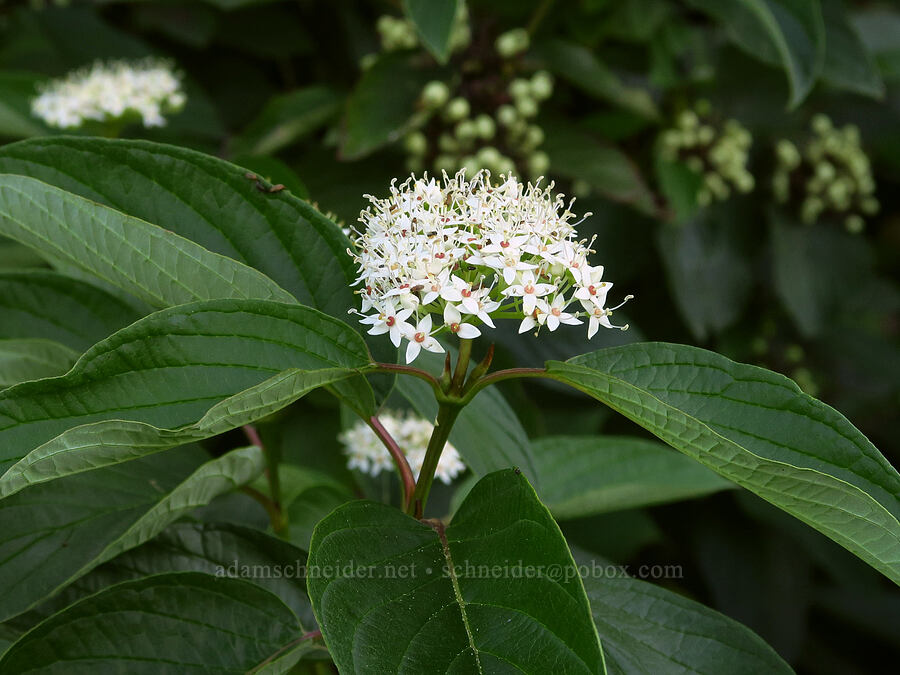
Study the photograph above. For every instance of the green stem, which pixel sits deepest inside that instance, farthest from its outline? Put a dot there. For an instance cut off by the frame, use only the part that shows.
(447, 413)
(462, 366)
(277, 514)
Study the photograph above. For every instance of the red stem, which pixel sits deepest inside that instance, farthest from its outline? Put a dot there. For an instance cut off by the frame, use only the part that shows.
(400, 461)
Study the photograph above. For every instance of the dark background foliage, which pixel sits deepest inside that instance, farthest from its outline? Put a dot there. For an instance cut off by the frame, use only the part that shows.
(277, 87)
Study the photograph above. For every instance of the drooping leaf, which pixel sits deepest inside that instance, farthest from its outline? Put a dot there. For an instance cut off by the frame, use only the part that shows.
(790, 33)
(709, 268)
(447, 609)
(606, 169)
(848, 63)
(580, 67)
(585, 475)
(218, 549)
(206, 200)
(92, 446)
(170, 368)
(433, 20)
(167, 623)
(382, 106)
(44, 304)
(116, 248)
(648, 629)
(286, 119)
(33, 359)
(757, 429)
(52, 534)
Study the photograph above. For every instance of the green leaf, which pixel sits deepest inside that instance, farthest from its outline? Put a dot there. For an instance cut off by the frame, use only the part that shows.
(219, 549)
(286, 119)
(487, 432)
(52, 534)
(606, 169)
(647, 629)
(170, 368)
(433, 20)
(16, 92)
(203, 199)
(382, 107)
(848, 63)
(44, 304)
(92, 446)
(448, 611)
(790, 33)
(167, 623)
(709, 270)
(585, 475)
(581, 68)
(116, 248)
(757, 429)
(33, 359)
(273, 170)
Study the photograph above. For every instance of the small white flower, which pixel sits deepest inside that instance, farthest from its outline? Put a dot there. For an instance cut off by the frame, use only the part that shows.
(420, 338)
(389, 321)
(529, 290)
(453, 321)
(555, 314)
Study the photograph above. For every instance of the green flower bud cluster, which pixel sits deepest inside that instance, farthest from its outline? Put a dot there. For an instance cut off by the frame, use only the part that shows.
(718, 153)
(484, 123)
(397, 33)
(832, 174)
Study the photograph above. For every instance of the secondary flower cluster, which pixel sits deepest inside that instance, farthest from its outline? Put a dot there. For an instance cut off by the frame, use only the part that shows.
(111, 91)
(718, 154)
(831, 175)
(367, 454)
(397, 33)
(469, 251)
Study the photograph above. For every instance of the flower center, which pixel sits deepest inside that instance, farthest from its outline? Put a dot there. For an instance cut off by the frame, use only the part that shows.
(555, 311)
(454, 327)
(504, 244)
(592, 289)
(466, 293)
(435, 288)
(529, 289)
(390, 321)
(419, 337)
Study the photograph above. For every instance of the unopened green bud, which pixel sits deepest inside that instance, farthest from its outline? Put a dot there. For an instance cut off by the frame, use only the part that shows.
(869, 206)
(505, 166)
(512, 42)
(367, 61)
(538, 163)
(854, 223)
(688, 120)
(415, 143)
(694, 163)
(794, 353)
(581, 188)
(821, 124)
(706, 134)
(456, 109)
(745, 182)
(446, 143)
(435, 94)
(704, 197)
(485, 126)
(520, 88)
(527, 107)
(542, 85)
(445, 163)
(825, 171)
(507, 115)
(781, 186)
(488, 156)
(787, 153)
(534, 136)
(470, 164)
(703, 107)
(810, 209)
(466, 130)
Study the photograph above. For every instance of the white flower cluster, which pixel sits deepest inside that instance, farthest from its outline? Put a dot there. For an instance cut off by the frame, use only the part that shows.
(110, 91)
(471, 251)
(367, 453)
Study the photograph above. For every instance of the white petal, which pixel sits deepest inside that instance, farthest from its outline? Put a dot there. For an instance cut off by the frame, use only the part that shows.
(433, 345)
(412, 351)
(527, 324)
(509, 274)
(552, 322)
(451, 315)
(468, 331)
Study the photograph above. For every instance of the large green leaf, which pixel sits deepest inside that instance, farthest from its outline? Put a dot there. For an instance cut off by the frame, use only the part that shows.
(433, 20)
(758, 429)
(156, 266)
(175, 623)
(91, 446)
(382, 107)
(33, 359)
(496, 591)
(170, 368)
(487, 432)
(848, 63)
(206, 200)
(288, 118)
(44, 304)
(585, 475)
(52, 534)
(790, 33)
(647, 629)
